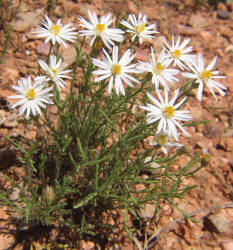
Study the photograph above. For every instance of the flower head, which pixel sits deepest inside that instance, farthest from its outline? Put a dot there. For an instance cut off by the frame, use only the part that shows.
(163, 139)
(178, 54)
(32, 96)
(139, 28)
(56, 32)
(160, 72)
(55, 70)
(100, 29)
(166, 113)
(206, 76)
(116, 69)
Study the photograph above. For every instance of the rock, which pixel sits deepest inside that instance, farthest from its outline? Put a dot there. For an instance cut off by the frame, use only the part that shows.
(148, 211)
(183, 30)
(223, 14)
(198, 21)
(158, 42)
(43, 48)
(149, 11)
(24, 20)
(132, 7)
(14, 196)
(6, 240)
(204, 144)
(8, 119)
(117, 8)
(227, 143)
(58, 12)
(69, 55)
(229, 49)
(211, 130)
(141, 55)
(218, 223)
(151, 164)
(9, 74)
(221, 6)
(87, 245)
(226, 31)
(227, 245)
(207, 37)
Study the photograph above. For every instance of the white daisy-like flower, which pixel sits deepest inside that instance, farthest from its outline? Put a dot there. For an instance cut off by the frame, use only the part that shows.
(116, 69)
(178, 53)
(32, 96)
(166, 113)
(56, 32)
(139, 28)
(100, 29)
(205, 76)
(55, 71)
(164, 140)
(160, 72)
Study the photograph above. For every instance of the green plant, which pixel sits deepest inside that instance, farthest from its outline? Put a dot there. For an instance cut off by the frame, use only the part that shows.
(89, 159)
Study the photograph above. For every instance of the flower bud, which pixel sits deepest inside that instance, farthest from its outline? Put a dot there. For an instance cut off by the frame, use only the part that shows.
(49, 193)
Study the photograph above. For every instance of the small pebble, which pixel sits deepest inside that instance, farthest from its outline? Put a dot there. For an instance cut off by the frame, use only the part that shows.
(223, 14)
(42, 48)
(27, 52)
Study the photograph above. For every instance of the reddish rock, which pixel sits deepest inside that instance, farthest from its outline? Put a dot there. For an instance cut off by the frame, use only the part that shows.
(183, 30)
(197, 21)
(43, 48)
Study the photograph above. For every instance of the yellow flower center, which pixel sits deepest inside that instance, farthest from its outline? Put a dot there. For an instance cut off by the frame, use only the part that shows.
(55, 29)
(54, 71)
(206, 75)
(100, 27)
(140, 28)
(176, 53)
(168, 112)
(161, 139)
(158, 69)
(31, 94)
(116, 69)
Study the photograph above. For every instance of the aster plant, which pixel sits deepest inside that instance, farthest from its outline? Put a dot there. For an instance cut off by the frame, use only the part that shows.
(100, 29)
(56, 33)
(33, 96)
(161, 74)
(139, 28)
(89, 154)
(55, 71)
(178, 53)
(116, 69)
(166, 113)
(205, 76)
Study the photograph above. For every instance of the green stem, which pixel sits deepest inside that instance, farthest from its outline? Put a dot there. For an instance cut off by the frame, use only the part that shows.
(50, 50)
(133, 43)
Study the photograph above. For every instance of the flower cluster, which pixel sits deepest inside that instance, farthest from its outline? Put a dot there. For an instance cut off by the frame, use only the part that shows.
(165, 113)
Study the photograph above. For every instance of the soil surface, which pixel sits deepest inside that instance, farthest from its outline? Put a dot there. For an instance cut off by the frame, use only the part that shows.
(210, 28)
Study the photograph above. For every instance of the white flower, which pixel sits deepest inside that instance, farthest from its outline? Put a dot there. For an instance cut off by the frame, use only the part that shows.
(55, 70)
(56, 32)
(160, 72)
(178, 54)
(139, 28)
(100, 29)
(166, 113)
(163, 139)
(205, 76)
(116, 69)
(32, 96)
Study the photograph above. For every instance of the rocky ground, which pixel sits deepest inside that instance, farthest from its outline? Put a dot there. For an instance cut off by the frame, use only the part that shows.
(211, 31)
